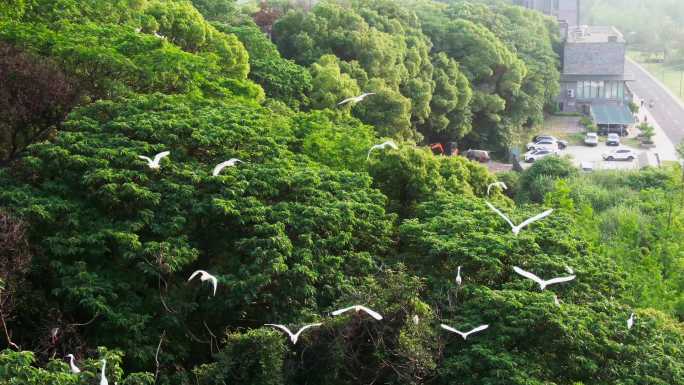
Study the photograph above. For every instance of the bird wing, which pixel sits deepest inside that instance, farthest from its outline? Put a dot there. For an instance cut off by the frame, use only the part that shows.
(449, 328)
(283, 328)
(559, 280)
(500, 184)
(296, 336)
(491, 206)
(477, 329)
(345, 101)
(196, 273)
(528, 275)
(376, 147)
(214, 282)
(149, 160)
(536, 218)
(338, 312)
(161, 155)
(370, 312)
(219, 167)
(391, 144)
(367, 94)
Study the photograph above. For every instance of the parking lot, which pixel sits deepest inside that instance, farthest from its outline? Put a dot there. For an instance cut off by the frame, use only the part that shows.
(586, 154)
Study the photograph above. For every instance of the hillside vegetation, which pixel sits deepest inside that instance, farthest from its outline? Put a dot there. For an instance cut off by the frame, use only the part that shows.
(96, 247)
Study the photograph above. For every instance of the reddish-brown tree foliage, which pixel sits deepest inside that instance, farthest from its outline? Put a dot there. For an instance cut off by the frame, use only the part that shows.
(15, 259)
(35, 97)
(266, 16)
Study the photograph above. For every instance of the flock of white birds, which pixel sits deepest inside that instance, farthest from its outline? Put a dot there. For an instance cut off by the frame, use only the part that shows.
(155, 164)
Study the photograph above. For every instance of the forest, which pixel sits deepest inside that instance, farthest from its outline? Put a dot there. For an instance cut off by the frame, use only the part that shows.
(97, 244)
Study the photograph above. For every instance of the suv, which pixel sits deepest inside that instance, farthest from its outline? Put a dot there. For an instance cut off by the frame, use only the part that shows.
(539, 153)
(613, 140)
(591, 139)
(620, 154)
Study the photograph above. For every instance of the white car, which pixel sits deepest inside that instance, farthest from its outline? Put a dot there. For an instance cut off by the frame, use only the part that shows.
(613, 140)
(591, 139)
(620, 154)
(536, 154)
(547, 142)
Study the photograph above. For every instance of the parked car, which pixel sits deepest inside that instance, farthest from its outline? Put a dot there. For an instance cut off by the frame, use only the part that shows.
(587, 166)
(620, 154)
(547, 142)
(613, 140)
(591, 139)
(539, 153)
(478, 155)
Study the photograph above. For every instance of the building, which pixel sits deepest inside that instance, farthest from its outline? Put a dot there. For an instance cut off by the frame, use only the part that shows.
(566, 11)
(593, 79)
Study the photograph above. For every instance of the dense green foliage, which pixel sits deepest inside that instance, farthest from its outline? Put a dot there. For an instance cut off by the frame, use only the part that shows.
(97, 247)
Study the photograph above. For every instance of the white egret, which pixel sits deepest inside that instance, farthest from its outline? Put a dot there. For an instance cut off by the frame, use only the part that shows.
(382, 146)
(630, 322)
(103, 378)
(72, 365)
(516, 229)
(229, 163)
(154, 163)
(556, 300)
(293, 337)
(358, 308)
(356, 99)
(542, 283)
(500, 185)
(204, 276)
(569, 269)
(459, 280)
(416, 319)
(462, 334)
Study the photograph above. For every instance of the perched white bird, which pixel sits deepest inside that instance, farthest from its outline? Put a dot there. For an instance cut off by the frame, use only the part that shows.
(569, 269)
(103, 379)
(500, 185)
(154, 163)
(355, 99)
(293, 337)
(229, 163)
(72, 365)
(459, 280)
(416, 319)
(138, 30)
(516, 229)
(556, 300)
(630, 322)
(159, 36)
(359, 308)
(205, 277)
(382, 146)
(542, 284)
(462, 334)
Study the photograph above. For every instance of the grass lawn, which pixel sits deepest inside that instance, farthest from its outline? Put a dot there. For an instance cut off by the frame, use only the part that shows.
(671, 77)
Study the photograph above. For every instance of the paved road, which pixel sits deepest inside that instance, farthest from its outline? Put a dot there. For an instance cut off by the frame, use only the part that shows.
(667, 111)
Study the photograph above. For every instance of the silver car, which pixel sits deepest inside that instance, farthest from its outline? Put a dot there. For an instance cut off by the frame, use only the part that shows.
(540, 153)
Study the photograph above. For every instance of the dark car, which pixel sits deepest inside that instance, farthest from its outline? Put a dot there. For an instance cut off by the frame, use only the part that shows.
(481, 156)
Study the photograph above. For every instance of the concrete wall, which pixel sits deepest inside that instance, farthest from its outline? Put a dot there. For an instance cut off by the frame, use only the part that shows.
(594, 58)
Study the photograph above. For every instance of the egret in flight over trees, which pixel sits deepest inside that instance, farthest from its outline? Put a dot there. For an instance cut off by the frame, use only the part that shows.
(542, 284)
(293, 337)
(356, 99)
(500, 185)
(516, 229)
(462, 334)
(154, 163)
(103, 378)
(72, 365)
(382, 146)
(459, 280)
(358, 308)
(630, 322)
(229, 163)
(204, 276)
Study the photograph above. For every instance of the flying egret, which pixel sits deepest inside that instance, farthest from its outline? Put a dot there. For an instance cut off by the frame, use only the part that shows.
(229, 163)
(103, 379)
(205, 277)
(542, 284)
(293, 337)
(72, 365)
(462, 334)
(154, 163)
(359, 308)
(459, 280)
(382, 146)
(355, 99)
(630, 322)
(516, 229)
(500, 185)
